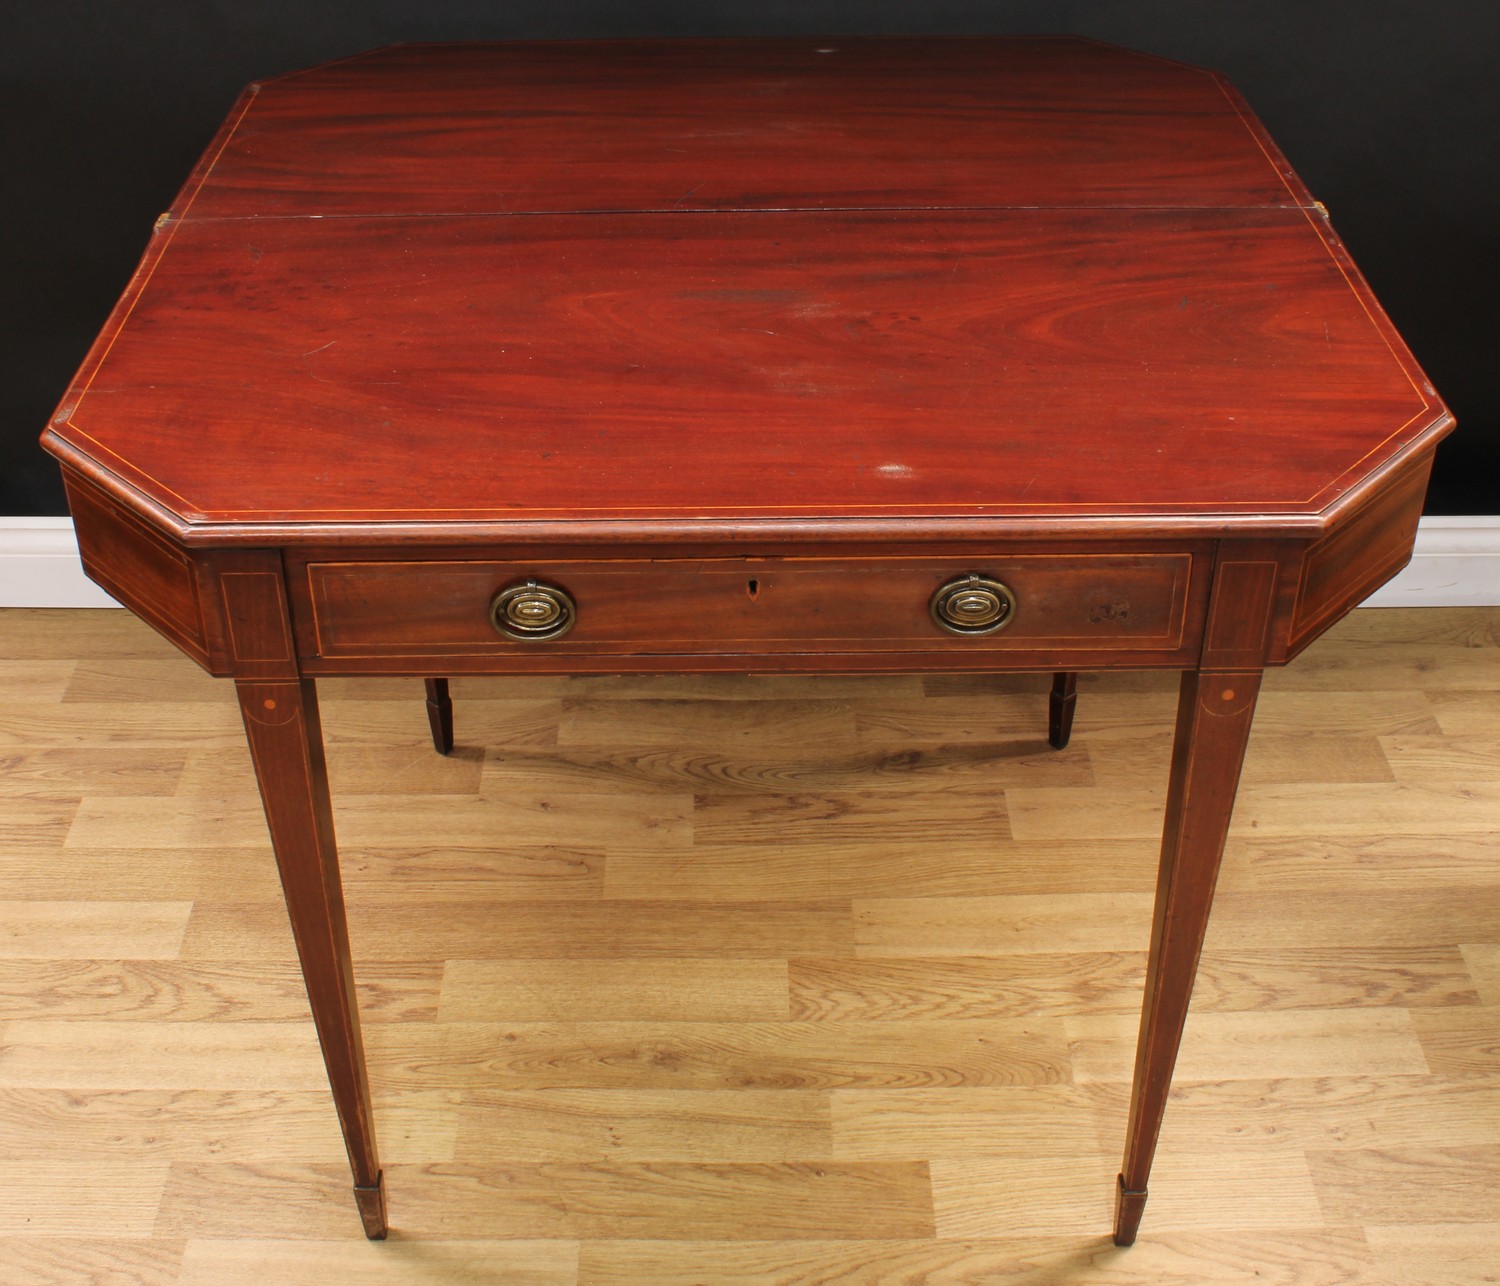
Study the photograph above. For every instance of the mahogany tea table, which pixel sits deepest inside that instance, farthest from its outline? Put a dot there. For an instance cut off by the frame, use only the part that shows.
(843, 356)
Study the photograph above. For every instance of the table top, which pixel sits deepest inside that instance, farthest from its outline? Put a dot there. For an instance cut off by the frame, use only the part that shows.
(479, 292)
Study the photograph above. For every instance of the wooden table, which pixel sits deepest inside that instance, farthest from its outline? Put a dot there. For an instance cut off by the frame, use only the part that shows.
(776, 357)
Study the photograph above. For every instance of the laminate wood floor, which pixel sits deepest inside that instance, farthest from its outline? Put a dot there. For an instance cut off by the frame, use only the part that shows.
(730, 980)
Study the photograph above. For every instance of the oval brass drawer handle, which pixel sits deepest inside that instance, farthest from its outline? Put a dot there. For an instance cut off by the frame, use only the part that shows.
(533, 611)
(973, 604)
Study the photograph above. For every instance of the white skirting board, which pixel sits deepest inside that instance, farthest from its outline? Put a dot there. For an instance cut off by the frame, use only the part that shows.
(1456, 564)
(39, 566)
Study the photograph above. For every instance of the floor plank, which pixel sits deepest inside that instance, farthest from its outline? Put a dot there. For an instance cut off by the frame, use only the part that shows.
(50, 929)
(646, 1125)
(715, 989)
(400, 1261)
(100, 1260)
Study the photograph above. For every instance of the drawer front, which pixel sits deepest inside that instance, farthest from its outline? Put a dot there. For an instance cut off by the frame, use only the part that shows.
(1080, 602)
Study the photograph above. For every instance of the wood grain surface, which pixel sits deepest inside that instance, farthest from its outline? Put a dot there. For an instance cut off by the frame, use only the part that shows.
(482, 369)
(696, 125)
(732, 1038)
(729, 283)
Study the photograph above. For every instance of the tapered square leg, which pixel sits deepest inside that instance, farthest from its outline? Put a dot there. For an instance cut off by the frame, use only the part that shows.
(440, 715)
(1060, 708)
(286, 745)
(1214, 714)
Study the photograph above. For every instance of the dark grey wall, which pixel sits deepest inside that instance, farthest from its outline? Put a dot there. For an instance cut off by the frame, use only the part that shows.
(1388, 110)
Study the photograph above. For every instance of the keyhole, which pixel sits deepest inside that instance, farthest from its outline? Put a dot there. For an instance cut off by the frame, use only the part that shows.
(752, 587)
